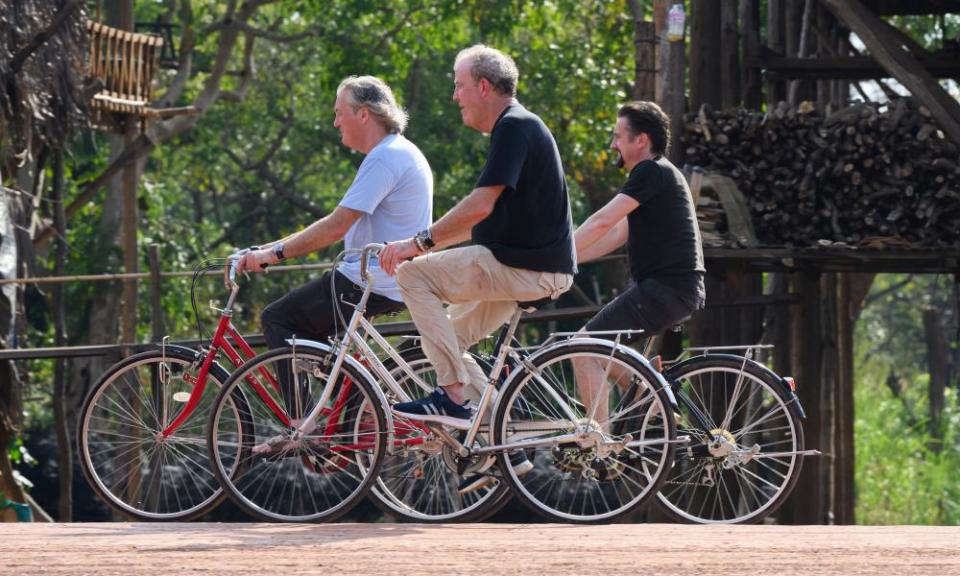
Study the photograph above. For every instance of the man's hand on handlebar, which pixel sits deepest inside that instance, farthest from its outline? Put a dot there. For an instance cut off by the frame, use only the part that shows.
(396, 253)
(255, 260)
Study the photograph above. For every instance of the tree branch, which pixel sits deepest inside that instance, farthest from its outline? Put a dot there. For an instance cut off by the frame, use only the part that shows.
(246, 75)
(265, 34)
(188, 40)
(887, 291)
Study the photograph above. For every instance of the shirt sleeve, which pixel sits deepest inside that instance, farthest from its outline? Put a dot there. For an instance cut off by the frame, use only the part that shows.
(643, 183)
(505, 160)
(374, 180)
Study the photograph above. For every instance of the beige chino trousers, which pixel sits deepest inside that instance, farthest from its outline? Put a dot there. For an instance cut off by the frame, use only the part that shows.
(482, 294)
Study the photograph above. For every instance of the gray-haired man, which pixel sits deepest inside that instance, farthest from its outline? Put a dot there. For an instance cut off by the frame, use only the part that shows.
(390, 198)
(518, 218)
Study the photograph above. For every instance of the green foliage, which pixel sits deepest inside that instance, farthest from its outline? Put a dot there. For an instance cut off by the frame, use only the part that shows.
(903, 475)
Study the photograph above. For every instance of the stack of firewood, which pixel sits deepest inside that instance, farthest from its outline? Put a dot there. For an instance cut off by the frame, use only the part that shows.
(868, 174)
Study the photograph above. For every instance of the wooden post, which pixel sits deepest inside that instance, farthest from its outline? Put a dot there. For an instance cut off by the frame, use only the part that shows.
(828, 381)
(730, 55)
(937, 368)
(705, 77)
(843, 442)
(798, 89)
(64, 446)
(805, 506)
(674, 96)
(776, 90)
(660, 9)
(156, 291)
(750, 38)
(645, 72)
(824, 22)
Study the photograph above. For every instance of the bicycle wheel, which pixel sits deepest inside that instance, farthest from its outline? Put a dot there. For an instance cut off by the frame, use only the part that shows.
(744, 457)
(316, 477)
(419, 480)
(123, 454)
(594, 462)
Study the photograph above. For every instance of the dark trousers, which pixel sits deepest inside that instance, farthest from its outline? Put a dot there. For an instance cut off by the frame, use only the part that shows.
(309, 312)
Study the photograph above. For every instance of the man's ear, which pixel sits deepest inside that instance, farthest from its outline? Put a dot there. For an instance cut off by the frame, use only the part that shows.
(484, 85)
(643, 140)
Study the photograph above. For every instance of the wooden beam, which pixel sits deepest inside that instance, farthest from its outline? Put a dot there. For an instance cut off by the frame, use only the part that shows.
(848, 67)
(899, 62)
(835, 259)
(901, 7)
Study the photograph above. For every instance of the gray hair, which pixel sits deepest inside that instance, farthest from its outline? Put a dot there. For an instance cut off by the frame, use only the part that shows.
(374, 93)
(496, 67)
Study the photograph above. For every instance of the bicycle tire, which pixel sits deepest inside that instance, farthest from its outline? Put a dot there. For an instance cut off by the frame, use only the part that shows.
(571, 482)
(119, 444)
(700, 489)
(314, 478)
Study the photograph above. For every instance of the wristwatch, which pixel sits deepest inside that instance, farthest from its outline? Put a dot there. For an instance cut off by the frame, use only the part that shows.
(278, 251)
(424, 240)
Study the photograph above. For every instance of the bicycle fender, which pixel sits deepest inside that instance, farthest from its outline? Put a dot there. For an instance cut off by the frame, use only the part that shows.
(360, 368)
(179, 348)
(770, 374)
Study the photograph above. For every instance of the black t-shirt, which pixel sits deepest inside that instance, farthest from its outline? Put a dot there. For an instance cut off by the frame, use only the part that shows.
(664, 237)
(530, 226)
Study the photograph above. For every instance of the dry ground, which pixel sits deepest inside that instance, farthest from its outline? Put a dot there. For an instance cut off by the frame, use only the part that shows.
(498, 549)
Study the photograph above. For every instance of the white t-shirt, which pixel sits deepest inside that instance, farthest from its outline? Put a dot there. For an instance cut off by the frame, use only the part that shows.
(394, 190)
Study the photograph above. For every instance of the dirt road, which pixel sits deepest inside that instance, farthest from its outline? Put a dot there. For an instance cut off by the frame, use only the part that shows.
(499, 549)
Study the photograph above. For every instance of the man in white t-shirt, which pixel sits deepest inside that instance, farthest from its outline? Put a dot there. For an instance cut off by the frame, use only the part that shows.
(391, 198)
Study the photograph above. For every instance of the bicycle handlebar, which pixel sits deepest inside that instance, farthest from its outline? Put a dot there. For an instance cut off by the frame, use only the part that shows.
(365, 258)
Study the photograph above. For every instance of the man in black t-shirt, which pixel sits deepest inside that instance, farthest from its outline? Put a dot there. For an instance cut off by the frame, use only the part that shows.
(654, 216)
(518, 219)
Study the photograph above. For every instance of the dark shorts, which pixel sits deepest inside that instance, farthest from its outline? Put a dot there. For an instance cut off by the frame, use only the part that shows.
(309, 311)
(650, 306)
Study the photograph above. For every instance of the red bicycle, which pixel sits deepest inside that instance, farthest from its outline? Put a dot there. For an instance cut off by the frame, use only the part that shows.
(141, 435)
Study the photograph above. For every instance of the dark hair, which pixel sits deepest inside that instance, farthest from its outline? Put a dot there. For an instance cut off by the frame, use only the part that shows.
(648, 118)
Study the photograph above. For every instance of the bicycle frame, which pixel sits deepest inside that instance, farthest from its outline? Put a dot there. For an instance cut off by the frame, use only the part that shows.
(226, 338)
(354, 337)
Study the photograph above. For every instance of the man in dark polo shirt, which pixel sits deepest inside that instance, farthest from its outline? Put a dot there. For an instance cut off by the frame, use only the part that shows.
(654, 216)
(518, 218)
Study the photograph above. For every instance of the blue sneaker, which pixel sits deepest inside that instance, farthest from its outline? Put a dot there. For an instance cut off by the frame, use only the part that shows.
(437, 407)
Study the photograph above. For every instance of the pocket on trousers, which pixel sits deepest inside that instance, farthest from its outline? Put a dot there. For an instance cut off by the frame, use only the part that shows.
(555, 283)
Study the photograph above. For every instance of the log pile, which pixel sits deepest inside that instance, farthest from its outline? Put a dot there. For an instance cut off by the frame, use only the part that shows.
(866, 175)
